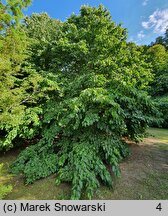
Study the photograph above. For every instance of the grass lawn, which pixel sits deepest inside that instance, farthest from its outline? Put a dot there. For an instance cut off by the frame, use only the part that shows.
(144, 175)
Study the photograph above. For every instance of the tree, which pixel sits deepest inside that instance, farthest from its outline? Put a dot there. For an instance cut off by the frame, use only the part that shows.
(20, 86)
(102, 98)
(42, 30)
(11, 12)
(158, 57)
(163, 40)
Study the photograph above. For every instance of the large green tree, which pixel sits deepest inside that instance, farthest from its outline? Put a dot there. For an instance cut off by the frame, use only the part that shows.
(102, 99)
(20, 84)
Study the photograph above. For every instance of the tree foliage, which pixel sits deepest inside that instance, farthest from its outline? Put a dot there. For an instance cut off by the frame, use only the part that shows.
(162, 103)
(158, 58)
(42, 31)
(22, 88)
(163, 40)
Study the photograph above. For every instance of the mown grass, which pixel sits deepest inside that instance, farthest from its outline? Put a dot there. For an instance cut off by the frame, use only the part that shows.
(156, 184)
(153, 187)
(158, 133)
(161, 137)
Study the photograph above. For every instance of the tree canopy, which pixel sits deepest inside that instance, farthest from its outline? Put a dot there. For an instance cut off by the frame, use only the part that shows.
(21, 86)
(163, 40)
(158, 58)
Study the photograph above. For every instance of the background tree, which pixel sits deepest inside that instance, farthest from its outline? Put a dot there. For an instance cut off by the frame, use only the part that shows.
(163, 40)
(158, 58)
(20, 86)
(43, 31)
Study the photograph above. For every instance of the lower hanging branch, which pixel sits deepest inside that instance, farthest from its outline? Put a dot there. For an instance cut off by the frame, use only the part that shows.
(83, 163)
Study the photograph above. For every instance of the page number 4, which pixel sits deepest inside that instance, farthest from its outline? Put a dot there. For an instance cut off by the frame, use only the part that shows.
(159, 207)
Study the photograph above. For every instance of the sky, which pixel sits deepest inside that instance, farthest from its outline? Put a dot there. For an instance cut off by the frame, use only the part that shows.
(144, 19)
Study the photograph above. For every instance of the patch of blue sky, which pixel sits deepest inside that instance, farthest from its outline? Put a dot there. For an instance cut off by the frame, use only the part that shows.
(144, 19)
